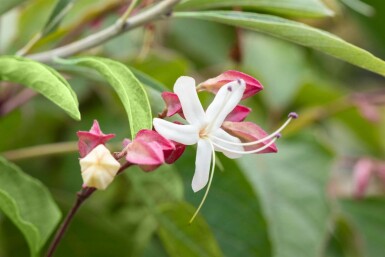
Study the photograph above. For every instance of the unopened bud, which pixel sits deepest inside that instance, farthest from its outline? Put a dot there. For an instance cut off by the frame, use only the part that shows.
(99, 168)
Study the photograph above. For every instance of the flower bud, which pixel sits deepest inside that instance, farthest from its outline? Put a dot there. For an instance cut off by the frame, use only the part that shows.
(88, 140)
(361, 176)
(212, 85)
(99, 168)
(249, 132)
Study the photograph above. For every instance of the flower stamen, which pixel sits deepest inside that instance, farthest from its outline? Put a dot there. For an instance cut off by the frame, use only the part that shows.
(291, 116)
(252, 151)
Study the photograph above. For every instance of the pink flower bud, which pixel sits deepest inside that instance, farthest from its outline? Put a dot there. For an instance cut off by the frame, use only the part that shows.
(249, 132)
(212, 85)
(172, 104)
(239, 113)
(149, 150)
(361, 176)
(88, 140)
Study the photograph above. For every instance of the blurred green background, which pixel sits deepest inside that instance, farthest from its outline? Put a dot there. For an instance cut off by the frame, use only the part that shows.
(301, 201)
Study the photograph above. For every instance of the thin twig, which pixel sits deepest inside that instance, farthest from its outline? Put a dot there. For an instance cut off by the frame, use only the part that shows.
(14, 102)
(46, 150)
(81, 196)
(102, 36)
(127, 13)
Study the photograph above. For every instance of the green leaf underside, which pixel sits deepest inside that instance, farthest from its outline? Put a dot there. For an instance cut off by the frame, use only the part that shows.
(301, 8)
(28, 204)
(295, 32)
(130, 91)
(42, 79)
(291, 186)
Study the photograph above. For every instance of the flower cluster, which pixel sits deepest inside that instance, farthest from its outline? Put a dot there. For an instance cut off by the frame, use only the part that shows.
(221, 127)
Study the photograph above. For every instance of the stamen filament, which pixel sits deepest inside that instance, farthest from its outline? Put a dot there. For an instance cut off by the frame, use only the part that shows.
(274, 134)
(208, 185)
(248, 152)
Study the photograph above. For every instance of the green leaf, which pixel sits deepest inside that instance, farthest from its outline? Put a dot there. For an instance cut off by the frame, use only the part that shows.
(291, 185)
(61, 8)
(183, 239)
(367, 216)
(41, 78)
(232, 208)
(295, 32)
(301, 8)
(130, 91)
(28, 204)
(6, 5)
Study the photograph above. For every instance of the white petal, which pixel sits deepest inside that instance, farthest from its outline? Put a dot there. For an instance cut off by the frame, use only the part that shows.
(220, 133)
(202, 165)
(224, 102)
(184, 134)
(192, 108)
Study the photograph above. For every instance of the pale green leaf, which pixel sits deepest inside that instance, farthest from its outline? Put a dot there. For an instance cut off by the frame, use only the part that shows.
(130, 91)
(28, 204)
(291, 185)
(6, 5)
(42, 79)
(295, 32)
(301, 8)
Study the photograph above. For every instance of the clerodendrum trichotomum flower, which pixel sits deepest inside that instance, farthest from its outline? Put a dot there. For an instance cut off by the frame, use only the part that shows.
(206, 130)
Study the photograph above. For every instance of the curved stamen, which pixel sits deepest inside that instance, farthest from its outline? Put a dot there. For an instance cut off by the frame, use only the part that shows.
(252, 151)
(274, 134)
(208, 186)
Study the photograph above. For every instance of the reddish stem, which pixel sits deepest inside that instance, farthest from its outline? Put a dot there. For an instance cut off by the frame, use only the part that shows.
(81, 197)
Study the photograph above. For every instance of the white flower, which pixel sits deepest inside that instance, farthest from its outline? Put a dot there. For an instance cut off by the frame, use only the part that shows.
(99, 168)
(204, 128)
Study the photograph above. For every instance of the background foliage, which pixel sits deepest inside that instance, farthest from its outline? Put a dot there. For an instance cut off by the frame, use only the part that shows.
(301, 201)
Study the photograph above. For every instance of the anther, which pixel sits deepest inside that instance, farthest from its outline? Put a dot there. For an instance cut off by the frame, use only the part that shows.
(229, 88)
(278, 135)
(293, 115)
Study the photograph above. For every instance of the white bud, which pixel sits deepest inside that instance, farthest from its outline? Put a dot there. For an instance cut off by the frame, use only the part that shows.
(99, 168)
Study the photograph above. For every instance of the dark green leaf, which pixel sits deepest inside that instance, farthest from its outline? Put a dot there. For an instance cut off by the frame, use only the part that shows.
(130, 91)
(28, 204)
(178, 236)
(291, 185)
(60, 10)
(368, 218)
(301, 8)
(232, 209)
(183, 239)
(295, 32)
(41, 78)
